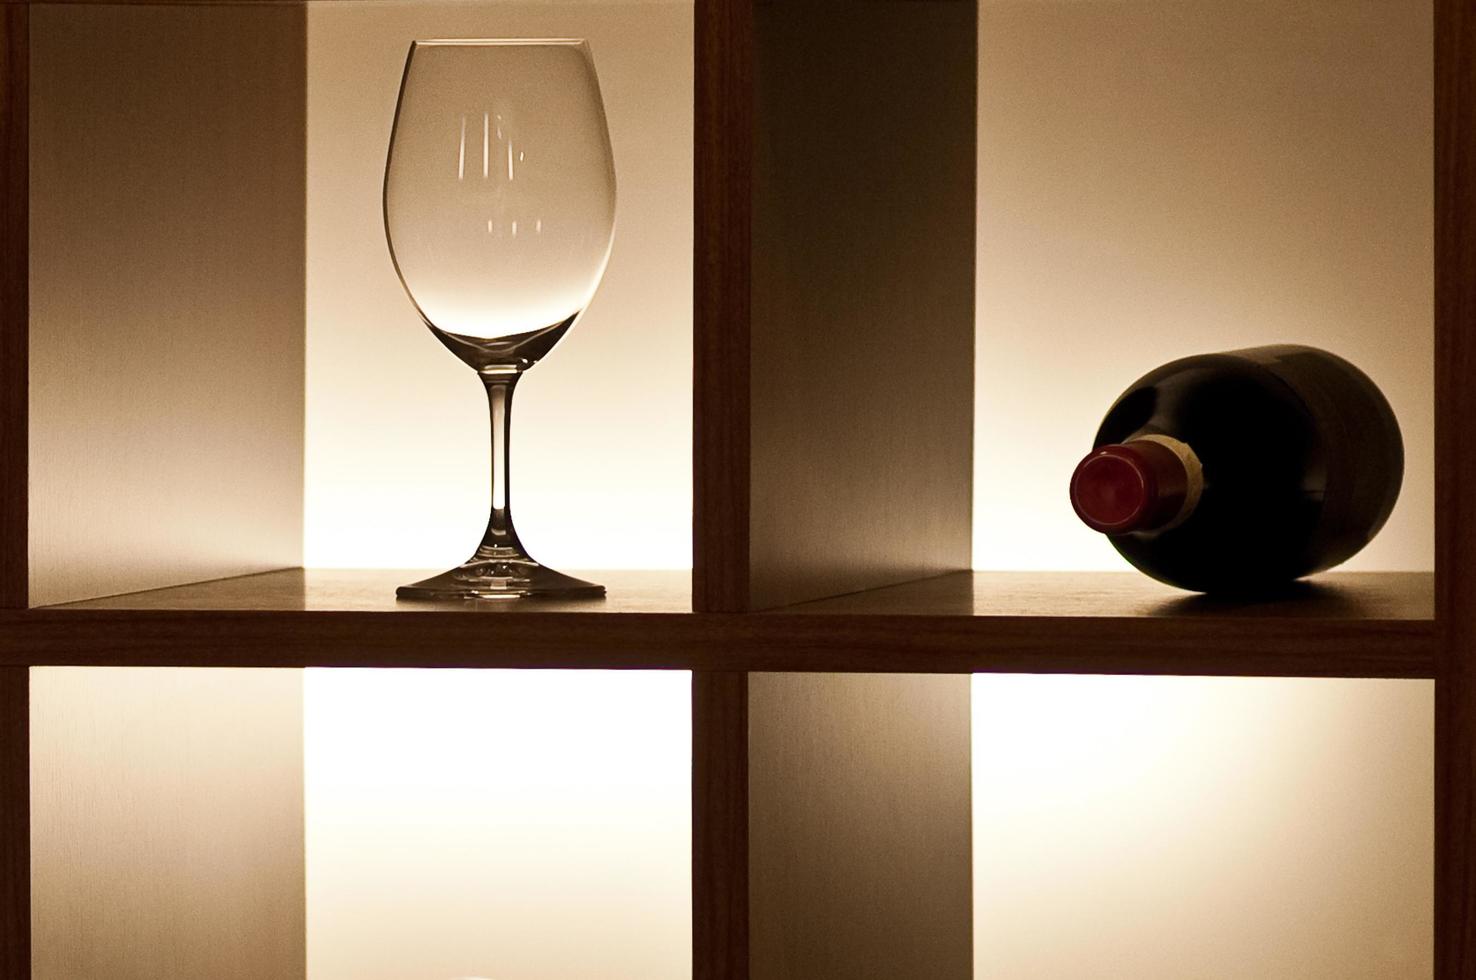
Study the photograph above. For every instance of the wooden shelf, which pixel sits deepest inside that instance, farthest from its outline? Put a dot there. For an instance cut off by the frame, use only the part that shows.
(373, 590)
(1358, 596)
(1351, 625)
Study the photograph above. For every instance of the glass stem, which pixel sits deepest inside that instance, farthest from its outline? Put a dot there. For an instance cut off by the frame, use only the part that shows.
(501, 540)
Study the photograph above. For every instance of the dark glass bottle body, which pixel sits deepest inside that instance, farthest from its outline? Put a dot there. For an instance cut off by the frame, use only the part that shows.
(1301, 461)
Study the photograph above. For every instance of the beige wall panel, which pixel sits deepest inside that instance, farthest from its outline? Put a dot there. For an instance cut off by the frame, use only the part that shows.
(1159, 179)
(397, 435)
(1227, 828)
(862, 295)
(167, 836)
(166, 244)
(859, 827)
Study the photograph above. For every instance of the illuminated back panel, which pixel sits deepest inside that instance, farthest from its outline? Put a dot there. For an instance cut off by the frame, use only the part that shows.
(396, 433)
(1237, 828)
(1161, 179)
(531, 824)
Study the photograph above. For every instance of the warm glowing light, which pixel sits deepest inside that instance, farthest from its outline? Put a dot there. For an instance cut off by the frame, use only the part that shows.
(1234, 827)
(1102, 252)
(518, 823)
(396, 465)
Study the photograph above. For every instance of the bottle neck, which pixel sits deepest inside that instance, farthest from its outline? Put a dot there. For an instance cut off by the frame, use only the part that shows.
(1149, 483)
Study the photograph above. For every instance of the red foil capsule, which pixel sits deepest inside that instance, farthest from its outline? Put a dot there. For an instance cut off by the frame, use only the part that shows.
(1133, 486)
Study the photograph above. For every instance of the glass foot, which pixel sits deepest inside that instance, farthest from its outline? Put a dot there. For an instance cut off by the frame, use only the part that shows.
(501, 579)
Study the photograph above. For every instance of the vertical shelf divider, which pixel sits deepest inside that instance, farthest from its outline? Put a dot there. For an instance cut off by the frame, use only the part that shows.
(15, 725)
(14, 302)
(720, 927)
(722, 158)
(833, 452)
(15, 824)
(721, 234)
(1455, 475)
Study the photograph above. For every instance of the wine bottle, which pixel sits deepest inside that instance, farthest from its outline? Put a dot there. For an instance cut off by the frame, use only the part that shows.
(1243, 471)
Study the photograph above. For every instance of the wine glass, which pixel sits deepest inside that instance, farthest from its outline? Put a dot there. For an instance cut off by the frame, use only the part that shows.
(499, 209)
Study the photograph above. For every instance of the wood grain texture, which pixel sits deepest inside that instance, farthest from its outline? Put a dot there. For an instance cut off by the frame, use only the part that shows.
(720, 911)
(859, 827)
(15, 787)
(166, 3)
(1338, 595)
(14, 301)
(167, 825)
(15, 824)
(721, 269)
(286, 619)
(1455, 488)
(373, 590)
(862, 326)
(1047, 595)
(166, 294)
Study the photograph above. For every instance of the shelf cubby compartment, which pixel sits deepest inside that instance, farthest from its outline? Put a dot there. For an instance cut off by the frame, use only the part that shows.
(832, 428)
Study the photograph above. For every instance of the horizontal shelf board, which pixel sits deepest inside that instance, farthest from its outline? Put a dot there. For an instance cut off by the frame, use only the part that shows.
(1351, 626)
(373, 590)
(160, 3)
(1338, 595)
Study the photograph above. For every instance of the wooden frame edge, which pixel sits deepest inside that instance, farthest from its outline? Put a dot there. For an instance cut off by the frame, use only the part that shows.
(1455, 475)
(15, 796)
(722, 172)
(14, 304)
(15, 824)
(720, 932)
